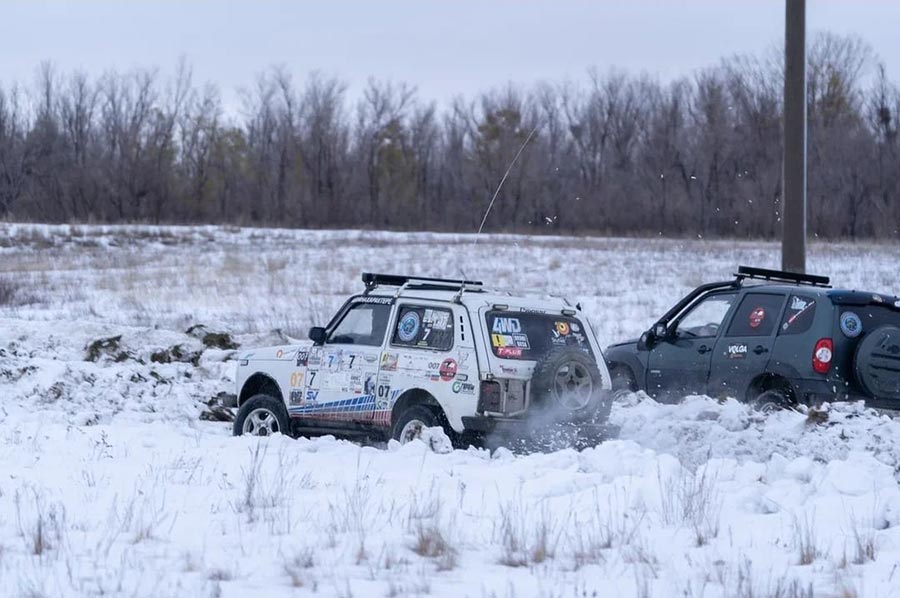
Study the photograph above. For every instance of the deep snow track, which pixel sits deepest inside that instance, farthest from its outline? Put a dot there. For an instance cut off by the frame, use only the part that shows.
(112, 486)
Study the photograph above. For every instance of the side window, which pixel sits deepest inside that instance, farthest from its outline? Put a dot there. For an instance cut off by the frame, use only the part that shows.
(424, 327)
(362, 324)
(757, 315)
(704, 318)
(799, 315)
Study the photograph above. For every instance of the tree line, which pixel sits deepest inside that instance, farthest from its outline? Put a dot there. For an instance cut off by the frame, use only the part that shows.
(615, 153)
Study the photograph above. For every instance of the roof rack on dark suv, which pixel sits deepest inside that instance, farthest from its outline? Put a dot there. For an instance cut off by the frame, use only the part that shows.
(745, 272)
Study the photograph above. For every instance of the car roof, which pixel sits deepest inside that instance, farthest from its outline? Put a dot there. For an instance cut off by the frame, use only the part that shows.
(480, 298)
(837, 296)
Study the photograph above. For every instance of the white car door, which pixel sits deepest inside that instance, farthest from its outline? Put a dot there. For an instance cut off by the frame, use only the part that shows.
(342, 374)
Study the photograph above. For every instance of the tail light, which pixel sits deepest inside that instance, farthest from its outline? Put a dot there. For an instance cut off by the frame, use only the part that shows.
(823, 355)
(491, 398)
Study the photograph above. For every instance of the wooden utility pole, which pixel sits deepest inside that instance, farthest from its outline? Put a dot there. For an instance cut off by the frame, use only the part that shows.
(793, 235)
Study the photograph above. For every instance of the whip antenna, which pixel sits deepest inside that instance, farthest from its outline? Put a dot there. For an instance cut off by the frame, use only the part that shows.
(503, 180)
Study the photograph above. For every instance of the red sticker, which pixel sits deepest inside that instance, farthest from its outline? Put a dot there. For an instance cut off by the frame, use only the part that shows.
(509, 352)
(448, 370)
(756, 317)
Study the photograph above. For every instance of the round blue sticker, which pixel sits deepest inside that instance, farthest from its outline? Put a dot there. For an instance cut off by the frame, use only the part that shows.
(851, 325)
(408, 328)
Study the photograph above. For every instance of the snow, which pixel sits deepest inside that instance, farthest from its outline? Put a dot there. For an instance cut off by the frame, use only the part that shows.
(111, 484)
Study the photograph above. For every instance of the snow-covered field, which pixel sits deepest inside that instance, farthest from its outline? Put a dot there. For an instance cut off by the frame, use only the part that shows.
(112, 485)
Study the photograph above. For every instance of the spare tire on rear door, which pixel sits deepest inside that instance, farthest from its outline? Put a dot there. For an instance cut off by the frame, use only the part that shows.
(877, 363)
(567, 386)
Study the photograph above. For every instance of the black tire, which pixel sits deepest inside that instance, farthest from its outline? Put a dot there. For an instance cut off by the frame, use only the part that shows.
(567, 387)
(418, 417)
(877, 363)
(774, 399)
(622, 380)
(262, 415)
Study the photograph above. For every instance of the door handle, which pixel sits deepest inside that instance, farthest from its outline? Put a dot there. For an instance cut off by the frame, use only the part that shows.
(702, 349)
(759, 350)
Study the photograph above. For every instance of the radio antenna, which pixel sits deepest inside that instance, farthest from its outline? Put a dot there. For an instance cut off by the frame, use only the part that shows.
(503, 180)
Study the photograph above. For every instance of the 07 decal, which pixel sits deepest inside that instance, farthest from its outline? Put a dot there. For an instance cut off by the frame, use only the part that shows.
(296, 379)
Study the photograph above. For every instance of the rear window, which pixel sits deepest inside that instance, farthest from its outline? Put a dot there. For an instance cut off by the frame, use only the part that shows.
(799, 315)
(529, 336)
(757, 315)
(424, 327)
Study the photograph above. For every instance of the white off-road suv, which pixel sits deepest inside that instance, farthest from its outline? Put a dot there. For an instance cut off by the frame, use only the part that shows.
(410, 352)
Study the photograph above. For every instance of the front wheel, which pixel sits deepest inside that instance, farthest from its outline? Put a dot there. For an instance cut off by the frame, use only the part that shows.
(261, 415)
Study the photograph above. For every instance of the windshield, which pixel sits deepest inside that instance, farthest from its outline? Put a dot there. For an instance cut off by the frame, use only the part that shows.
(530, 336)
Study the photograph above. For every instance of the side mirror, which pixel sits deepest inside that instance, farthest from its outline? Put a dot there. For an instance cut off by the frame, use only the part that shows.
(660, 331)
(317, 335)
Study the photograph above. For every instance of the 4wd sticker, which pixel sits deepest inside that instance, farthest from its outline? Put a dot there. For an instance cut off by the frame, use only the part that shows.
(757, 316)
(851, 325)
(506, 326)
(736, 351)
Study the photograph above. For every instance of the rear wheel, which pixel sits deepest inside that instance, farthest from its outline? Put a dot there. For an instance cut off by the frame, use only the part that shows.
(411, 422)
(772, 400)
(568, 386)
(261, 415)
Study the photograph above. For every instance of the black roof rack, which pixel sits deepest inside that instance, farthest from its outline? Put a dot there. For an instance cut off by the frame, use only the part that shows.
(372, 280)
(781, 276)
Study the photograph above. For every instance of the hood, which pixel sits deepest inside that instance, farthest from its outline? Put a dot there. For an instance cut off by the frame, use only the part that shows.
(278, 353)
(633, 341)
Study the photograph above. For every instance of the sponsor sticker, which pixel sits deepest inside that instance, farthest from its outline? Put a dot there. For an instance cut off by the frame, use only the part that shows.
(851, 324)
(463, 387)
(389, 361)
(509, 352)
(757, 315)
(798, 304)
(562, 328)
(279, 354)
(302, 358)
(296, 397)
(736, 351)
(503, 340)
(521, 341)
(447, 370)
(408, 328)
(297, 379)
(370, 384)
(378, 300)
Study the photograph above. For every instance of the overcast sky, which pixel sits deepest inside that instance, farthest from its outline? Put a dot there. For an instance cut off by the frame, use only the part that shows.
(444, 47)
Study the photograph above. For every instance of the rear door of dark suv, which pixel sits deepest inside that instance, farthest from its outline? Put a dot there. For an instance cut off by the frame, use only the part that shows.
(867, 345)
(743, 352)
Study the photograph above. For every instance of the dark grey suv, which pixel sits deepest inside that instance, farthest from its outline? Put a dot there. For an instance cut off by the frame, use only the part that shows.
(771, 338)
